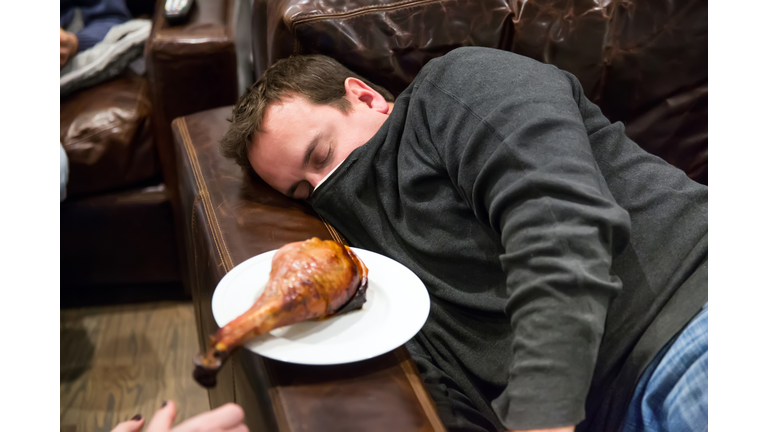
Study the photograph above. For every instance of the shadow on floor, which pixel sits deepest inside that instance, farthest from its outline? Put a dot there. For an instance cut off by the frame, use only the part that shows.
(76, 352)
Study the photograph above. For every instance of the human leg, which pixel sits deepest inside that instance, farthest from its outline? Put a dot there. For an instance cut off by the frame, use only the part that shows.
(672, 394)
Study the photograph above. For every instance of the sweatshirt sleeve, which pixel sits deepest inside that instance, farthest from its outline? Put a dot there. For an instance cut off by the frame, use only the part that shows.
(510, 134)
(99, 19)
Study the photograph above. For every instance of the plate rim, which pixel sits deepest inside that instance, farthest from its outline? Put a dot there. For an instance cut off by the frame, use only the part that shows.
(243, 266)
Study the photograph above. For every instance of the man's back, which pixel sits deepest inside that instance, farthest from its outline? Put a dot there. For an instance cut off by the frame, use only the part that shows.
(513, 201)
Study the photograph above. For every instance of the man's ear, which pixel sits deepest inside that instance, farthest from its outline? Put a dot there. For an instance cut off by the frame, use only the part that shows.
(359, 94)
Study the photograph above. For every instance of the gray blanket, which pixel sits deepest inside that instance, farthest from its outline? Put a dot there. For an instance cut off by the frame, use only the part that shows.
(122, 45)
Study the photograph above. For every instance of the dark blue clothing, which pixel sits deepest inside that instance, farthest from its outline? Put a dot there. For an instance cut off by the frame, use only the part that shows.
(98, 17)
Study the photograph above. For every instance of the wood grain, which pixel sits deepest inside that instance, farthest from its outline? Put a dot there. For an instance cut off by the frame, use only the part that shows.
(119, 361)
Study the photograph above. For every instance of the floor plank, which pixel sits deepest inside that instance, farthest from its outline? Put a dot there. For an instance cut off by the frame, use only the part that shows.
(118, 361)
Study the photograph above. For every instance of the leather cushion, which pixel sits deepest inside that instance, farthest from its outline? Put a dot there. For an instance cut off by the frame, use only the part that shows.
(643, 62)
(106, 134)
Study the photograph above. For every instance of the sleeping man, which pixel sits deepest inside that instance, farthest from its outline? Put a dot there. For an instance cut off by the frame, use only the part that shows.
(567, 267)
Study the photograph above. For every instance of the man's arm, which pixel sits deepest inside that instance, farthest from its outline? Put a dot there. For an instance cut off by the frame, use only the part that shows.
(510, 133)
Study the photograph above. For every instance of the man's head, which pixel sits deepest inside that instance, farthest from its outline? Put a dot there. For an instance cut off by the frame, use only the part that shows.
(301, 119)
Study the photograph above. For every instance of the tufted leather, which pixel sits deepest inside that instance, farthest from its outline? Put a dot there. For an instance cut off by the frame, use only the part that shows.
(643, 62)
(231, 215)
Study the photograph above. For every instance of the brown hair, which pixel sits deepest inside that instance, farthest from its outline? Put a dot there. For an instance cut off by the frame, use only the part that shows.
(318, 78)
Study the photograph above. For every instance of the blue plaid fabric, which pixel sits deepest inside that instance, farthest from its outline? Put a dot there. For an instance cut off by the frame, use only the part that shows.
(672, 394)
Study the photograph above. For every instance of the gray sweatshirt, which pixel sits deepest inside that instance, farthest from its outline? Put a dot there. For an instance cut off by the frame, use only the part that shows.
(559, 256)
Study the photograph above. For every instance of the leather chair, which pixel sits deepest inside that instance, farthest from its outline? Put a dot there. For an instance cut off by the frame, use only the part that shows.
(643, 63)
(117, 223)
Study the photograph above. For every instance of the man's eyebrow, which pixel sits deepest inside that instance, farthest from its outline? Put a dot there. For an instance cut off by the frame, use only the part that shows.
(311, 148)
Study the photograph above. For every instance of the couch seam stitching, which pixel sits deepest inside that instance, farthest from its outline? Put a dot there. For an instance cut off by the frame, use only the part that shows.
(208, 206)
(365, 10)
(393, 6)
(191, 156)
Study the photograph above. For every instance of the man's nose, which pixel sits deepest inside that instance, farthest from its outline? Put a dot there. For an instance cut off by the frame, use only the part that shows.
(314, 178)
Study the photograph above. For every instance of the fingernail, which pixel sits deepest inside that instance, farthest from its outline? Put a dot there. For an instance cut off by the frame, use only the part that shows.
(164, 404)
(136, 417)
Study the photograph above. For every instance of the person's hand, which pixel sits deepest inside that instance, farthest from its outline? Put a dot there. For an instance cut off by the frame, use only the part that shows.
(132, 425)
(68, 46)
(226, 418)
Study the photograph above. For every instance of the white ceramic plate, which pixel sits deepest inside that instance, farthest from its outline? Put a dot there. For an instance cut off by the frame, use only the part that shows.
(396, 308)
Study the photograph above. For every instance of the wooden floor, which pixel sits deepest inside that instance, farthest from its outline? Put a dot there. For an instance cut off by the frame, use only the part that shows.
(119, 361)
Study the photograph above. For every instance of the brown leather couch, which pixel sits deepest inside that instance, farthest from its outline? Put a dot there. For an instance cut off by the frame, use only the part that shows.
(644, 63)
(117, 223)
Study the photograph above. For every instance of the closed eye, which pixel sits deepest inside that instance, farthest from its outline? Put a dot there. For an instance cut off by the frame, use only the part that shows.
(311, 149)
(327, 158)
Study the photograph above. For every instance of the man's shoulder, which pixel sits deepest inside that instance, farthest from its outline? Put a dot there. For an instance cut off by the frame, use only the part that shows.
(466, 68)
(454, 62)
(470, 55)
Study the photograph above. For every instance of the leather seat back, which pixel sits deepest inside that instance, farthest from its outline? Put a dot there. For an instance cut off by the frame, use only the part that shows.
(643, 62)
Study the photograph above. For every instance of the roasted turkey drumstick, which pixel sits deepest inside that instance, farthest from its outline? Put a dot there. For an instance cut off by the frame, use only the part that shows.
(309, 280)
